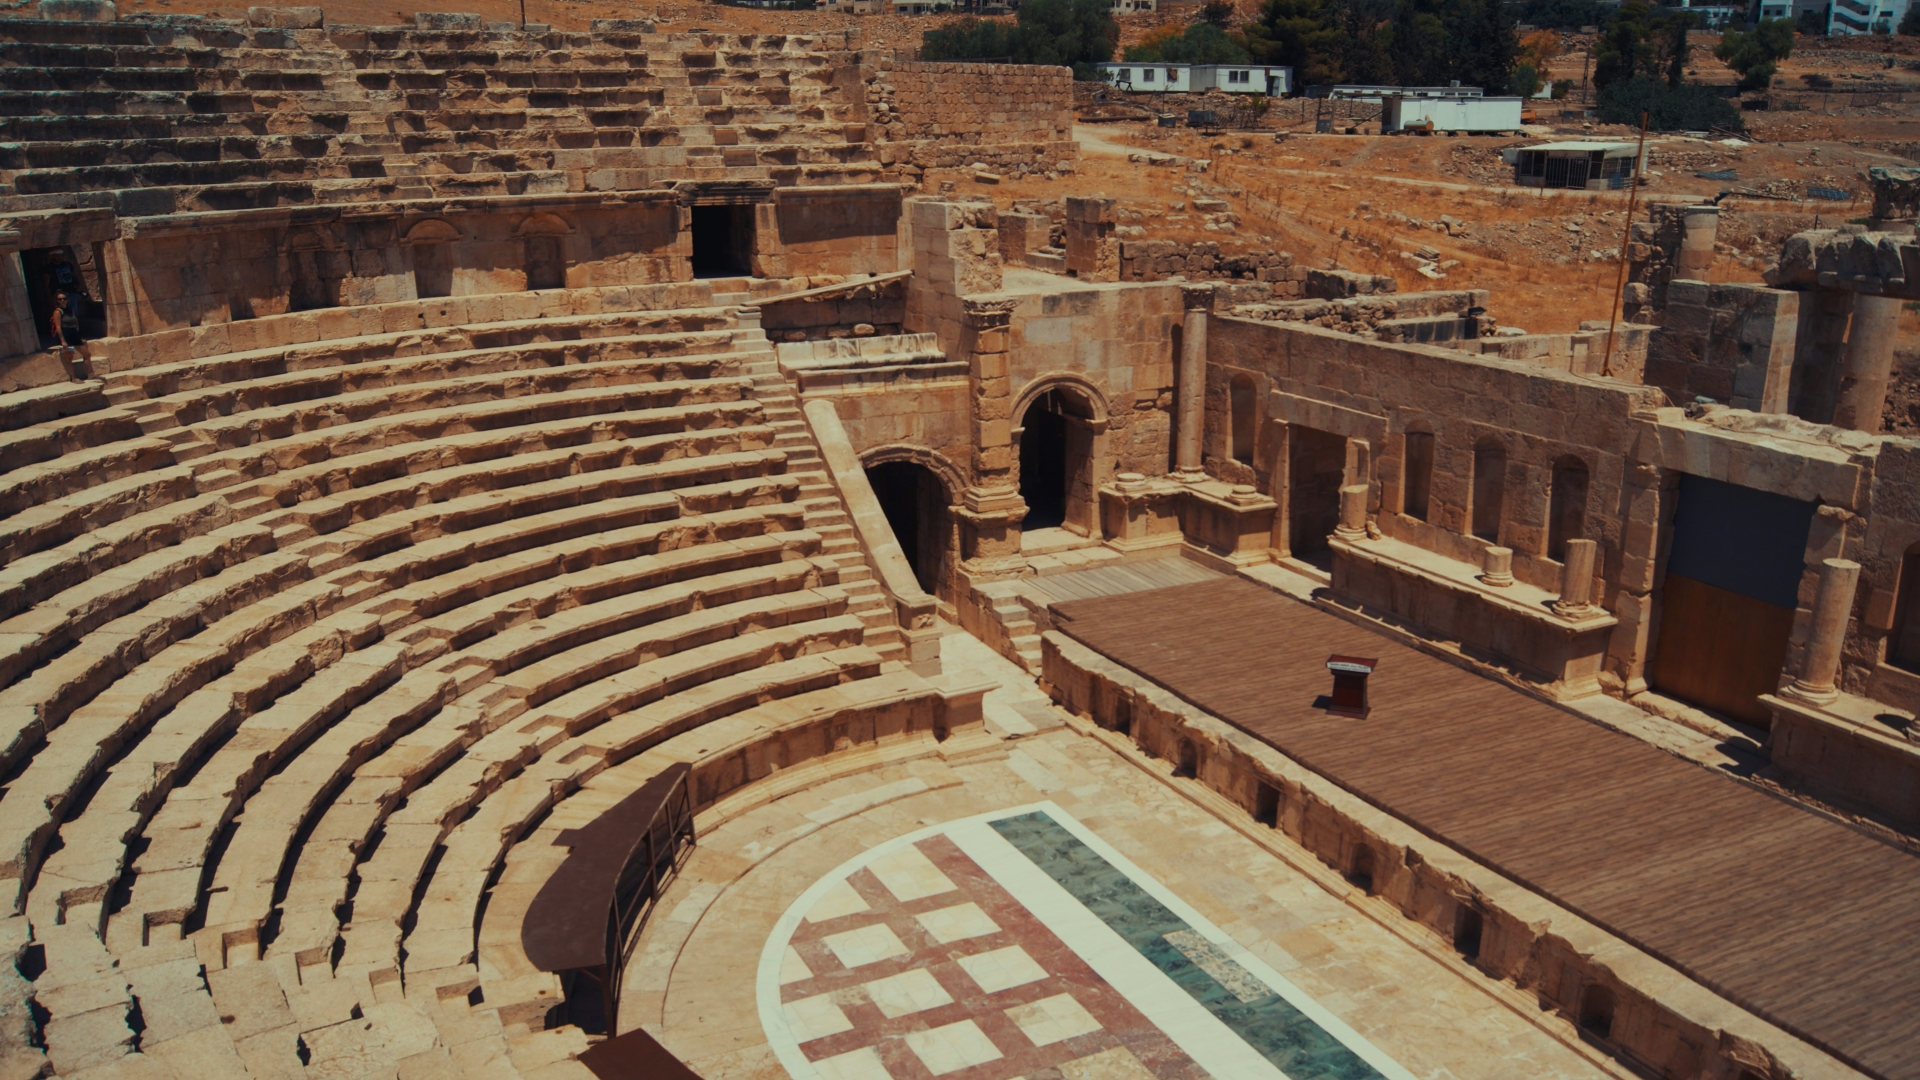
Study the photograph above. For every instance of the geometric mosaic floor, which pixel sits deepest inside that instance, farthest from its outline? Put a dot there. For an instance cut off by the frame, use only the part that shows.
(1018, 944)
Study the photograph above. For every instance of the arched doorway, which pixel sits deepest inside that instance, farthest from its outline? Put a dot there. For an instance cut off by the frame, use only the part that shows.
(1056, 433)
(915, 503)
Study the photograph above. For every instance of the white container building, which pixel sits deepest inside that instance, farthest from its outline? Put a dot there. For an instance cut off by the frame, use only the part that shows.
(1400, 112)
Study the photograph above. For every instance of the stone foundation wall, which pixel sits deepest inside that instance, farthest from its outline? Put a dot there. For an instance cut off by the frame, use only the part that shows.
(1158, 260)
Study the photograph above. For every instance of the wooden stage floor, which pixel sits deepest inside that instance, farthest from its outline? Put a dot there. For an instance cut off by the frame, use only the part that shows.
(1804, 921)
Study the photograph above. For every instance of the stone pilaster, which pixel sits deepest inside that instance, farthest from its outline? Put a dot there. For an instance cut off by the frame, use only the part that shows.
(991, 509)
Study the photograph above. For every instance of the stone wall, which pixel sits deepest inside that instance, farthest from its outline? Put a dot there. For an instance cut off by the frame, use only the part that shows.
(971, 104)
(1114, 347)
(1372, 393)
(1158, 260)
(1015, 118)
(1731, 344)
(181, 271)
(839, 230)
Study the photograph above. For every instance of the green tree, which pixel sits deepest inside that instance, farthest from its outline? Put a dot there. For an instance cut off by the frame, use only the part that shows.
(1756, 53)
(1674, 27)
(1071, 33)
(1692, 107)
(1361, 53)
(1298, 33)
(968, 39)
(1624, 50)
(1482, 40)
(1419, 46)
(1524, 81)
(1910, 22)
(1218, 12)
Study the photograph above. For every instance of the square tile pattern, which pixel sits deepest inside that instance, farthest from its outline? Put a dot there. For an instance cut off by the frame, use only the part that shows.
(911, 991)
(921, 965)
(1002, 969)
(1050, 1020)
(953, 1047)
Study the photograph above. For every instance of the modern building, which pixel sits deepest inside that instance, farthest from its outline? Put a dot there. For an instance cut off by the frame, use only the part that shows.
(1244, 79)
(1134, 7)
(1165, 78)
(1717, 16)
(1378, 94)
(1399, 112)
(1865, 16)
(1198, 78)
(1593, 166)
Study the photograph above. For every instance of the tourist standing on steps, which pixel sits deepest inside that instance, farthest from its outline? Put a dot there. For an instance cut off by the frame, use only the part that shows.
(68, 340)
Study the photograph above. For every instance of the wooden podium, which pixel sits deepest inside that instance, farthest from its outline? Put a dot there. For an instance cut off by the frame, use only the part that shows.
(1350, 684)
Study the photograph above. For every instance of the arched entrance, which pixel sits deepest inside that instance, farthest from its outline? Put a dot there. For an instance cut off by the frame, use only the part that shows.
(1058, 424)
(915, 487)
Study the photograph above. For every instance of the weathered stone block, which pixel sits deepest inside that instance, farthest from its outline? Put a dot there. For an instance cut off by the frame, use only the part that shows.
(287, 18)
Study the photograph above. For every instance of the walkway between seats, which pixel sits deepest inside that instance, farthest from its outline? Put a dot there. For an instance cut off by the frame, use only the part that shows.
(1803, 921)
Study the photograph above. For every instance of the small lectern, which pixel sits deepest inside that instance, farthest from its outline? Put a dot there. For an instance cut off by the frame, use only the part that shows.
(1350, 684)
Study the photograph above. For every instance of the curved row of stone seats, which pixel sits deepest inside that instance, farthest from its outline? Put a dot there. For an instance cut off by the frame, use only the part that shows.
(744, 747)
(191, 425)
(525, 569)
(277, 622)
(134, 118)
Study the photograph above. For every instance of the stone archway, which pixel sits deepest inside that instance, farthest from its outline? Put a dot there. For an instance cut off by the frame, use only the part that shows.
(1060, 426)
(917, 489)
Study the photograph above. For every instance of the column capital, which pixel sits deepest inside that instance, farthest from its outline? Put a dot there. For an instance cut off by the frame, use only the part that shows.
(988, 314)
(1197, 297)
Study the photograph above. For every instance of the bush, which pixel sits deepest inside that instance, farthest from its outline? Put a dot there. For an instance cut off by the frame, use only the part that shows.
(1910, 22)
(1561, 88)
(1524, 81)
(1688, 107)
(1756, 53)
(1202, 43)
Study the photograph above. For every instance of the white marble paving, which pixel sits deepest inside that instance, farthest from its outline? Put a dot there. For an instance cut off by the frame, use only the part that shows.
(866, 945)
(908, 992)
(1054, 1019)
(1002, 969)
(953, 1047)
(957, 923)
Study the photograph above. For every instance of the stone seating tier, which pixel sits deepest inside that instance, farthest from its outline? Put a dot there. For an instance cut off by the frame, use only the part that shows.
(305, 620)
(93, 114)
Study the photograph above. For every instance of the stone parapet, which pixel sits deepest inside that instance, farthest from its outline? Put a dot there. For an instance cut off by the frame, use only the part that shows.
(1450, 600)
(1849, 751)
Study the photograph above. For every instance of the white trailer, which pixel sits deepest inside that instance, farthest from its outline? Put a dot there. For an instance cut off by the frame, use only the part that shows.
(1471, 115)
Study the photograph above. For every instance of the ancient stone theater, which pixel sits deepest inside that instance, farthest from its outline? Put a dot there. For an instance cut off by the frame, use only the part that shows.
(618, 552)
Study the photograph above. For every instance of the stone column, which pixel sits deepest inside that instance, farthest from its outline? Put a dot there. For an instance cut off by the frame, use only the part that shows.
(1699, 225)
(1576, 580)
(1832, 605)
(991, 509)
(1353, 513)
(1867, 364)
(1190, 396)
(1496, 567)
